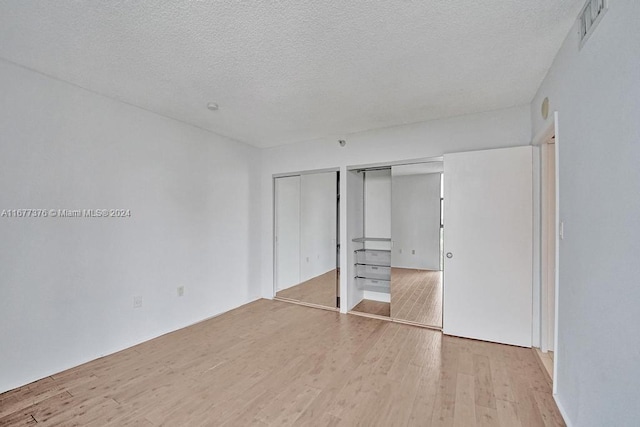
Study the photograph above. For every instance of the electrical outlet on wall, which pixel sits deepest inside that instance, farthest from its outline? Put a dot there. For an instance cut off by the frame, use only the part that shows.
(181, 290)
(137, 302)
(413, 251)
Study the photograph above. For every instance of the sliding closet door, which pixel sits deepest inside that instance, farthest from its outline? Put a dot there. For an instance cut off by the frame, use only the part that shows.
(416, 279)
(306, 238)
(287, 231)
(318, 231)
(488, 245)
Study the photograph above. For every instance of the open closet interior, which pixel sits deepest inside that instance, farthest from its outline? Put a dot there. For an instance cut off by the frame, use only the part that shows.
(306, 238)
(395, 227)
(372, 252)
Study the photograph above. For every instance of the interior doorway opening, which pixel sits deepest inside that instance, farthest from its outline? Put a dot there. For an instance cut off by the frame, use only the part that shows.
(396, 218)
(548, 246)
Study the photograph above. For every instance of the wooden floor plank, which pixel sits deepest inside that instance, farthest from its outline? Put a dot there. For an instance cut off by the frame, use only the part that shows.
(464, 414)
(487, 417)
(416, 296)
(483, 382)
(507, 413)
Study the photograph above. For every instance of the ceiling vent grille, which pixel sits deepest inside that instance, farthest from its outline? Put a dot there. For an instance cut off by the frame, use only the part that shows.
(590, 17)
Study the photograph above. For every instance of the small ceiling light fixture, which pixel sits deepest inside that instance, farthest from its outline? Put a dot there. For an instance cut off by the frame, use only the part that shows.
(342, 142)
(212, 106)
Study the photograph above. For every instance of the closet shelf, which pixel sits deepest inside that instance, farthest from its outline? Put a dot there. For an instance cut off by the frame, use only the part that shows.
(368, 264)
(374, 285)
(371, 239)
(373, 257)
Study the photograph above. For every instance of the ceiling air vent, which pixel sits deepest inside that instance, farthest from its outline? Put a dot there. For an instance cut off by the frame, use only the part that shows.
(590, 17)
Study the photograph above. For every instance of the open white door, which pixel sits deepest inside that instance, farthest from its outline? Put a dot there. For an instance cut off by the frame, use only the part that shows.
(488, 214)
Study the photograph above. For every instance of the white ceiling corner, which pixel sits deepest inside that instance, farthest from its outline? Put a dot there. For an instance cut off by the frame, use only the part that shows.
(290, 71)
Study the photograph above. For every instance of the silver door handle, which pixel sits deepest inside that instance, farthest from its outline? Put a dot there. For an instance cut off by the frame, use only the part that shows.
(449, 255)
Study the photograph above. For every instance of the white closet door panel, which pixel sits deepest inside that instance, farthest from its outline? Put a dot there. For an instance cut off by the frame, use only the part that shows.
(287, 231)
(318, 204)
(488, 230)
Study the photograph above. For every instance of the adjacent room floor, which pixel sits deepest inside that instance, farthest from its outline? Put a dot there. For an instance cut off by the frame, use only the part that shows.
(271, 363)
(321, 290)
(416, 296)
(378, 308)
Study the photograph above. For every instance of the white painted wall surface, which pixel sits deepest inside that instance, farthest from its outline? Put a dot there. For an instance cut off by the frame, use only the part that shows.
(415, 218)
(317, 224)
(287, 222)
(596, 91)
(503, 128)
(67, 284)
(377, 207)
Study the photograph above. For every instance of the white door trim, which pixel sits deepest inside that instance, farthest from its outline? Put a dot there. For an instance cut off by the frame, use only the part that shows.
(541, 138)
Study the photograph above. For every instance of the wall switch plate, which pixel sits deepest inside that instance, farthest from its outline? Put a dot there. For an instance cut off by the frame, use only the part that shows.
(561, 231)
(180, 291)
(137, 302)
(413, 251)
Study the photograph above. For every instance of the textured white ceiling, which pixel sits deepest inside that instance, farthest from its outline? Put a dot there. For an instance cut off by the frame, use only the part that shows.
(289, 71)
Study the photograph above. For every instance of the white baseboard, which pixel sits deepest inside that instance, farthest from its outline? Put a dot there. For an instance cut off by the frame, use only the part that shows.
(565, 417)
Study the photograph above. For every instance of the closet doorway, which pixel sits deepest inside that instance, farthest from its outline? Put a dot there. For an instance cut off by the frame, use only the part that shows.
(371, 241)
(395, 217)
(306, 208)
(416, 250)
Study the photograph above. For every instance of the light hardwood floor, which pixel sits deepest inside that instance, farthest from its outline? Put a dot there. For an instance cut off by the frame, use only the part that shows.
(546, 360)
(270, 363)
(416, 296)
(320, 290)
(378, 308)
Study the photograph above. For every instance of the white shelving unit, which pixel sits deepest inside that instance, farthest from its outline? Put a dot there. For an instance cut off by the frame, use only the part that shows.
(373, 266)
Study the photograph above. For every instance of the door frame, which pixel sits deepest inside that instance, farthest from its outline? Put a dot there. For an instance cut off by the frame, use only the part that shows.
(552, 130)
(548, 247)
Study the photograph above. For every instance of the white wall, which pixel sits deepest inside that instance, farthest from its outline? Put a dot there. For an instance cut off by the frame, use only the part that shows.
(416, 220)
(596, 91)
(317, 224)
(503, 128)
(377, 207)
(67, 284)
